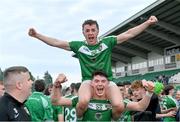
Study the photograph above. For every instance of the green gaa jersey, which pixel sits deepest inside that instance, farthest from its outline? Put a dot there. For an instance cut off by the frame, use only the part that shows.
(94, 57)
(126, 115)
(39, 107)
(70, 112)
(98, 110)
(169, 102)
(57, 109)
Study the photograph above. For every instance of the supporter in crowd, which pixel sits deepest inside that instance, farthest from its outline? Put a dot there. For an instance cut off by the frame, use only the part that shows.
(70, 111)
(38, 104)
(2, 89)
(139, 91)
(169, 102)
(178, 100)
(178, 97)
(131, 104)
(18, 86)
(57, 110)
(72, 88)
(48, 89)
(121, 88)
(153, 111)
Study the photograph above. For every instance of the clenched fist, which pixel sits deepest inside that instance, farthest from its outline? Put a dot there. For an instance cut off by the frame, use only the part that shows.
(149, 85)
(60, 79)
(32, 32)
(152, 20)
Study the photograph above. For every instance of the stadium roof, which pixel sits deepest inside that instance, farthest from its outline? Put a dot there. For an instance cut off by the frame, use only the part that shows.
(165, 33)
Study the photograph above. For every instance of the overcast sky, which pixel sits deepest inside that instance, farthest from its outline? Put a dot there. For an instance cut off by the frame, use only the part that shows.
(60, 19)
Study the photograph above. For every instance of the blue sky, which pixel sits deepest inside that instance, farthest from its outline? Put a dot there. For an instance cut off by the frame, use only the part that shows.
(60, 19)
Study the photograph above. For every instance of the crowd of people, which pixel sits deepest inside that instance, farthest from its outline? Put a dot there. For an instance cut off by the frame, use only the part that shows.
(97, 98)
(48, 103)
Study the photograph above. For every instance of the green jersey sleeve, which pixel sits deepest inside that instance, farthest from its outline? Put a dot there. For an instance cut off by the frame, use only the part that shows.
(74, 101)
(111, 41)
(56, 111)
(58, 108)
(75, 45)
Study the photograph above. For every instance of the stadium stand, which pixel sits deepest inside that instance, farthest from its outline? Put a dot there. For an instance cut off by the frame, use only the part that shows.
(155, 53)
(150, 76)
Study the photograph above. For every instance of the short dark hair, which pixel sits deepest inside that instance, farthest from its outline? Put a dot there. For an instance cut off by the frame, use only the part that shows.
(14, 70)
(67, 89)
(130, 91)
(90, 22)
(167, 89)
(101, 73)
(72, 87)
(46, 91)
(120, 84)
(39, 85)
(127, 83)
(77, 86)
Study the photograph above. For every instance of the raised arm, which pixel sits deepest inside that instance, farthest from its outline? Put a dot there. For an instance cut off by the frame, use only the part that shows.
(56, 96)
(144, 103)
(136, 30)
(48, 40)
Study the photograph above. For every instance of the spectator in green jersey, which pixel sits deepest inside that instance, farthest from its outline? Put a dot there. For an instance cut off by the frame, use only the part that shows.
(38, 104)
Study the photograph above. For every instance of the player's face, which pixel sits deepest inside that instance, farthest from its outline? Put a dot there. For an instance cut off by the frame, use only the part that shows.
(27, 84)
(138, 93)
(90, 32)
(50, 90)
(171, 92)
(99, 84)
(178, 95)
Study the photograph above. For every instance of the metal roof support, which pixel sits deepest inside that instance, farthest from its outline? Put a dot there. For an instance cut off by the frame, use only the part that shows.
(147, 46)
(164, 36)
(132, 51)
(122, 58)
(114, 62)
(169, 27)
(156, 3)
